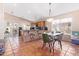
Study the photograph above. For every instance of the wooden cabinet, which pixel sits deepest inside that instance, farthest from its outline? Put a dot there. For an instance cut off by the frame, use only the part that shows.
(40, 23)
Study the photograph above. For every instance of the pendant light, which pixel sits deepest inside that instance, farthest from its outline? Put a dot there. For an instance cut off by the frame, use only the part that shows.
(50, 9)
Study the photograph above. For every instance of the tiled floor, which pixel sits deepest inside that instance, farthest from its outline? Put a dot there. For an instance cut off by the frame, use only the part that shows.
(16, 47)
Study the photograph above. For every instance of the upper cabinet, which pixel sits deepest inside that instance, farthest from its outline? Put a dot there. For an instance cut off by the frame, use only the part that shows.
(39, 23)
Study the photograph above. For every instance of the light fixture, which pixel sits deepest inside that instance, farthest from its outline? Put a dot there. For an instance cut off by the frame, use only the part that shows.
(49, 19)
(49, 9)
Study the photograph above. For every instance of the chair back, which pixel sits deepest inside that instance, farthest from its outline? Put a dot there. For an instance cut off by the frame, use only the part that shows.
(45, 38)
(58, 37)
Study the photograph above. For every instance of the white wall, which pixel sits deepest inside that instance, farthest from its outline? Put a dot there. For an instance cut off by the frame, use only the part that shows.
(2, 22)
(13, 19)
(75, 19)
(49, 24)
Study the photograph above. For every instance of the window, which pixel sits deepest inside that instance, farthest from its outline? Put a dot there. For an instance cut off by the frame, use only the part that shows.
(65, 20)
(63, 25)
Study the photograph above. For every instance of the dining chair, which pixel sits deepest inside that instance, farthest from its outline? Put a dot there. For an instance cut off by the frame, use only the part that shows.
(39, 34)
(47, 39)
(2, 46)
(26, 36)
(59, 39)
(32, 36)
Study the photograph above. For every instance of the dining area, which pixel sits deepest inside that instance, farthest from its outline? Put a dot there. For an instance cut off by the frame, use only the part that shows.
(47, 38)
(45, 44)
(38, 38)
(37, 32)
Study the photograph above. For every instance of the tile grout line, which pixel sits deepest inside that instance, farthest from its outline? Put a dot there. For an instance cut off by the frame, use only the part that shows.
(11, 47)
(66, 51)
(15, 44)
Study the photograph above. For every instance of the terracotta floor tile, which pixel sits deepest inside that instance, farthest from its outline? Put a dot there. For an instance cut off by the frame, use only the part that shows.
(9, 53)
(70, 54)
(17, 47)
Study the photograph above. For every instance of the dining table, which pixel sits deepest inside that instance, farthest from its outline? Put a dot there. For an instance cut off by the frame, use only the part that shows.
(53, 35)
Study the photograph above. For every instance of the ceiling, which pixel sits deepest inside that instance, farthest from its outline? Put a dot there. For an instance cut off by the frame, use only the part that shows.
(37, 11)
